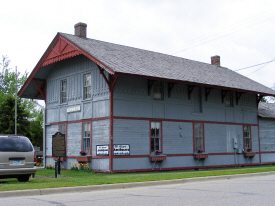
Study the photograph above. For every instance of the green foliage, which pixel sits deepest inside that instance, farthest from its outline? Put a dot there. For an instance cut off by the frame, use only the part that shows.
(7, 117)
(263, 99)
(32, 129)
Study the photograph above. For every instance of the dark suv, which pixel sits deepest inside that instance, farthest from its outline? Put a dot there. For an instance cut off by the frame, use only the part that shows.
(16, 157)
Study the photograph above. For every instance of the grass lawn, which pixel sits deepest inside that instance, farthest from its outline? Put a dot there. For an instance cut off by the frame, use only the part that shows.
(45, 177)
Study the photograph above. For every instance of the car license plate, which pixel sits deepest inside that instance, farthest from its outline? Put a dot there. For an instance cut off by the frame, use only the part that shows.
(16, 162)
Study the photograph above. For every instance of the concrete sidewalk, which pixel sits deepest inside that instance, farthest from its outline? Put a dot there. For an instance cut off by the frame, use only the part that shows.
(58, 190)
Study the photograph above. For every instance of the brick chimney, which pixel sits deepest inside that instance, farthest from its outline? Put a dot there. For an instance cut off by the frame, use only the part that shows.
(80, 30)
(215, 60)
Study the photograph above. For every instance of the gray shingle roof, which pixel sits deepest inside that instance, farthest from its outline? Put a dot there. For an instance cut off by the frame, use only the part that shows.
(129, 60)
(266, 110)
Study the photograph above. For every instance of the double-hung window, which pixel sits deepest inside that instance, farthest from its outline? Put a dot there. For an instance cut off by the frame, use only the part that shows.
(63, 93)
(247, 137)
(198, 132)
(158, 90)
(86, 137)
(87, 86)
(155, 136)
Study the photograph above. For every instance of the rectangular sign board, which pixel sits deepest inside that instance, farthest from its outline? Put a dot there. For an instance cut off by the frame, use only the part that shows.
(58, 145)
(102, 150)
(121, 149)
(73, 109)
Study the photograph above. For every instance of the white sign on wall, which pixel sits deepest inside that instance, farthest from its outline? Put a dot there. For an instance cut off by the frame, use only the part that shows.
(121, 149)
(73, 109)
(102, 150)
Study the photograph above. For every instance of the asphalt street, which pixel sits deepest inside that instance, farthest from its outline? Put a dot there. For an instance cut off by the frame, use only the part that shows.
(247, 190)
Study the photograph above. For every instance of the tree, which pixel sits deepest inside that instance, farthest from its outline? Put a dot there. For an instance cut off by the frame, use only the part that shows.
(31, 124)
(7, 117)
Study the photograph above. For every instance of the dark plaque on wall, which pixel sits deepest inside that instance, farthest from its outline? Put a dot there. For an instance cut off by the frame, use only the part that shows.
(58, 145)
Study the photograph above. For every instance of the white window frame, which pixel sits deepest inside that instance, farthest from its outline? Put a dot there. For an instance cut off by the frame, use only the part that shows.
(87, 86)
(155, 136)
(63, 91)
(86, 137)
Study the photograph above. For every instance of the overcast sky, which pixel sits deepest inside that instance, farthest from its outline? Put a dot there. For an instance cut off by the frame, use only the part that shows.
(241, 32)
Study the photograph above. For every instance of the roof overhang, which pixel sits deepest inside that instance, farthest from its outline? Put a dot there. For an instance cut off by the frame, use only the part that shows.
(60, 48)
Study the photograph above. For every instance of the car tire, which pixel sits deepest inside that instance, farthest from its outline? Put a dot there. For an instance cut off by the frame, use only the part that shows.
(23, 178)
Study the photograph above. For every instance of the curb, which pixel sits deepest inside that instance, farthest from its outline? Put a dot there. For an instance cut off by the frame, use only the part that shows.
(89, 188)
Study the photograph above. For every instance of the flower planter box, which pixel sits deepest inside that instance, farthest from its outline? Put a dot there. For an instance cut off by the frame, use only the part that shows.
(61, 158)
(83, 158)
(249, 154)
(200, 155)
(157, 158)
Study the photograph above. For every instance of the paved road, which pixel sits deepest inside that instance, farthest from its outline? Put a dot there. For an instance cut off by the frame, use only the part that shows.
(242, 191)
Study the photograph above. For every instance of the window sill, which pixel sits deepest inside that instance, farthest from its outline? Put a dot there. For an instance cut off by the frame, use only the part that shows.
(86, 158)
(157, 158)
(249, 154)
(200, 155)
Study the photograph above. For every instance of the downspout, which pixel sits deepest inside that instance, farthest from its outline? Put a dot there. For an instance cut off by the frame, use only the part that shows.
(44, 138)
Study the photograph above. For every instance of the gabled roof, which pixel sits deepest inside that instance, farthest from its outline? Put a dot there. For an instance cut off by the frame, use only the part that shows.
(123, 60)
(266, 110)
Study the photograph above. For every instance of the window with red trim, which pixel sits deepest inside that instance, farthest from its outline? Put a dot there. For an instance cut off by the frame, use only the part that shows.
(247, 137)
(198, 136)
(155, 136)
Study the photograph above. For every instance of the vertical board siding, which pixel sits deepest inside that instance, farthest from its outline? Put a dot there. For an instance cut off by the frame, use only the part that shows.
(87, 110)
(50, 131)
(177, 137)
(133, 132)
(267, 134)
(131, 100)
(73, 139)
(73, 70)
(52, 115)
(101, 108)
(100, 134)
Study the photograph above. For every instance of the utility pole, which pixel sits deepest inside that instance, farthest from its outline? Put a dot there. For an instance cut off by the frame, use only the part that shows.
(15, 129)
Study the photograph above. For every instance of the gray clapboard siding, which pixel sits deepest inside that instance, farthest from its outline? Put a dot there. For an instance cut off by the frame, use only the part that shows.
(267, 135)
(177, 137)
(219, 137)
(74, 138)
(255, 138)
(133, 132)
(100, 134)
(50, 131)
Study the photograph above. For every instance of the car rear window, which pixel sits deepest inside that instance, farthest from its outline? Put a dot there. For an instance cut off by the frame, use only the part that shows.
(15, 144)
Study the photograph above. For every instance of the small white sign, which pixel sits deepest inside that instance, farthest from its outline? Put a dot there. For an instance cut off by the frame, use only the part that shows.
(73, 109)
(102, 150)
(121, 149)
